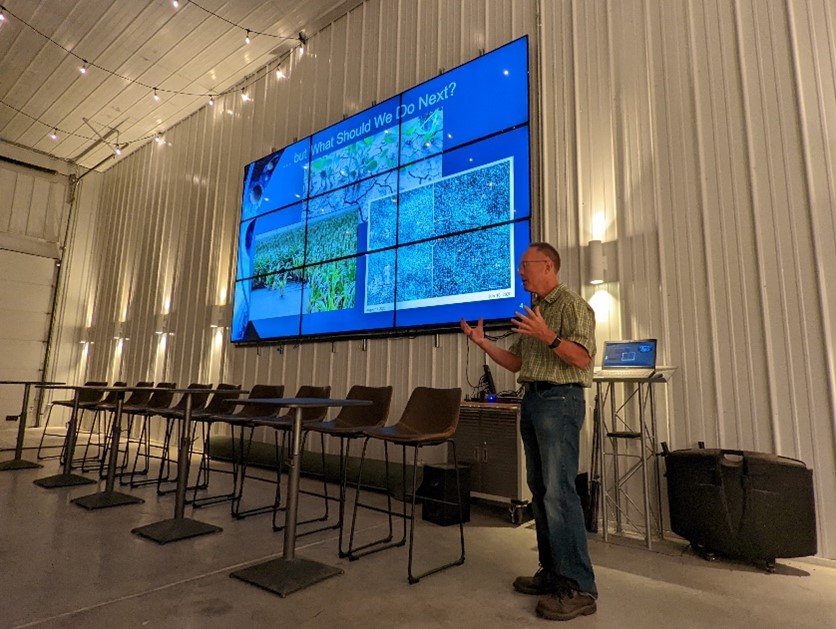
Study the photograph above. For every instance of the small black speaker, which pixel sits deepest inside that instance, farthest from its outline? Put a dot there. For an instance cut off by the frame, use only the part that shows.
(438, 493)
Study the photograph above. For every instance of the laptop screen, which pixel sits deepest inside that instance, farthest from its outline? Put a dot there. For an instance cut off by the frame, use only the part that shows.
(626, 354)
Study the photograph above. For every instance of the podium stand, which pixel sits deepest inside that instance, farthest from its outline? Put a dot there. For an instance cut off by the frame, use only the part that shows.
(625, 409)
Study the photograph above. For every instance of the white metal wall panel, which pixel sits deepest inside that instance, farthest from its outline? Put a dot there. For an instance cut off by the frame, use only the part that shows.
(26, 285)
(32, 209)
(814, 63)
(694, 138)
(705, 140)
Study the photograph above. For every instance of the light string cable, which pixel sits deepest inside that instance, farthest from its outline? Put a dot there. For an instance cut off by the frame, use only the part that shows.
(86, 65)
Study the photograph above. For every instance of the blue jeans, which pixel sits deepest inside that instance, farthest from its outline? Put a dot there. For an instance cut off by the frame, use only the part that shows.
(550, 424)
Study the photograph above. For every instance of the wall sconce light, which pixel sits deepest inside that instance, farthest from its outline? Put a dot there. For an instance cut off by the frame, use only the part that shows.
(161, 324)
(119, 333)
(219, 316)
(85, 335)
(595, 258)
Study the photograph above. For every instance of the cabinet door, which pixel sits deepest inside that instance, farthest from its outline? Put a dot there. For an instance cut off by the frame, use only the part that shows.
(469, 445)
(501, 464)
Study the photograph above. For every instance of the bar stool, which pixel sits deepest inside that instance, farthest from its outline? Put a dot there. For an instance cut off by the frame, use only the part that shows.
(135, 399)
(172, 417)
(219, 403)
(348, 425)
(85, 397)
(241, 420)
(282, 424)
(157, 401)
(429, 419)
(98, 427)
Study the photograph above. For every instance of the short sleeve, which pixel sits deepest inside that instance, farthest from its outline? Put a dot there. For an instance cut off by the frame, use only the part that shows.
(578, 325)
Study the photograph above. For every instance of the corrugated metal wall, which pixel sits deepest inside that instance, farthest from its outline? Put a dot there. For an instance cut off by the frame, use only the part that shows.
(695, 138)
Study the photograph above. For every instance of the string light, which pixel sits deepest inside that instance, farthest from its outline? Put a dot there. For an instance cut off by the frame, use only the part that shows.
(247, 38)
(85, 65)
(117, 150)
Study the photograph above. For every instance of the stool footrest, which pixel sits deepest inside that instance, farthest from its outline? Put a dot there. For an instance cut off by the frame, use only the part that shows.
(624, 434)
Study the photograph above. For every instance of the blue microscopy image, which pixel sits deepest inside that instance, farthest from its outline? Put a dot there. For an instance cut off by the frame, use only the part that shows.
(467, 200)
(415, 272)
(380, 281)
(455, 266)
(383, 221)
(416, 218)
(473, 199)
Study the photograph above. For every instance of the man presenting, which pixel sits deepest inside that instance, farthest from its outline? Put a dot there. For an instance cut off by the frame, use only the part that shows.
(553, 354)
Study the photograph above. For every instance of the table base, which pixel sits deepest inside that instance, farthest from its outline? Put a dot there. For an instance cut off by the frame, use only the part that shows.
(18, 464)
(105, 499)
(175, 529)
(63, 480)
(285, 576)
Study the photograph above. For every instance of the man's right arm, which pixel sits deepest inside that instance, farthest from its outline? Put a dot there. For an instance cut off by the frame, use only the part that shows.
(501, 357)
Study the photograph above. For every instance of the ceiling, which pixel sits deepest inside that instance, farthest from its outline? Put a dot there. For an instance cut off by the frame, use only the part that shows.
(132, 47)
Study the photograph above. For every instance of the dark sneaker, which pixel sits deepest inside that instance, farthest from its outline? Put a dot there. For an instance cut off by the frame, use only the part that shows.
(566, 604)
(543, 582)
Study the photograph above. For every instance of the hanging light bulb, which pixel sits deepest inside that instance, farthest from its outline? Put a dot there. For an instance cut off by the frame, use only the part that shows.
(280, 74)
(83, 68)
(54, 135)
(247, 38)
(156, 96)
(244, 96)
(175, 4)
(211, 100)
(159, 137)
(2, 16)
(117, 150)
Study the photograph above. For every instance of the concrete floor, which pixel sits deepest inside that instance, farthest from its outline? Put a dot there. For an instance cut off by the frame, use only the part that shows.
(63, 566)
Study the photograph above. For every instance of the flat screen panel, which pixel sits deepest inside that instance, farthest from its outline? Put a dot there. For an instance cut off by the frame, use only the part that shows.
(276, 180)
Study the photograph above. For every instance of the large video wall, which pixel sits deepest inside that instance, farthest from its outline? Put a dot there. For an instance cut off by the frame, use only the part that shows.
(402, 219)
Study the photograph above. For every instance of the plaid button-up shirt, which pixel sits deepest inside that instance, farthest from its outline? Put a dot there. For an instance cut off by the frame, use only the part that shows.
(573, 319)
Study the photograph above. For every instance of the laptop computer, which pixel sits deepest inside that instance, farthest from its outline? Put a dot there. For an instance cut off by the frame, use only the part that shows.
(628, 359)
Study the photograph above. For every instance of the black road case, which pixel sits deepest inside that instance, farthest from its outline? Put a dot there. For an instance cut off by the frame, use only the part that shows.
(750, 505)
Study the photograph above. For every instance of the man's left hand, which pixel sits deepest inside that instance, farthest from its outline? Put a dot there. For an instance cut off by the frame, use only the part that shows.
(531, 323)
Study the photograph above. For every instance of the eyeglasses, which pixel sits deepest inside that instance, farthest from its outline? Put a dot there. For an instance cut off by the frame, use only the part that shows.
(524, 264)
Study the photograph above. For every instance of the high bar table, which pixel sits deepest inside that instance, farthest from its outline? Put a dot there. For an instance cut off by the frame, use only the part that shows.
(289, 573)
(18, 463)
(180, 527)
(109, 497)
(66, 478)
